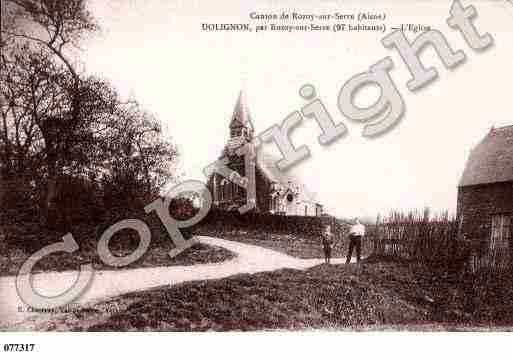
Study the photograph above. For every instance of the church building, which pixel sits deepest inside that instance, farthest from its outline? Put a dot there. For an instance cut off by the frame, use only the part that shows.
(276, 192)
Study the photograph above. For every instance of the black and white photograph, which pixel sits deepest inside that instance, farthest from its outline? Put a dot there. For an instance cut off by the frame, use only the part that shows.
(317, 171)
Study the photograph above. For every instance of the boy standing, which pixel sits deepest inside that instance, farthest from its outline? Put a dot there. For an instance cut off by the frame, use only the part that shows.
(327, 243)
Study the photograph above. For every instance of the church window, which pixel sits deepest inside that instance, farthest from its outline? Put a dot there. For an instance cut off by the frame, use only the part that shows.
(223, 190)
(235, 131)
(216, 190)
(227, 190)
(233, 190)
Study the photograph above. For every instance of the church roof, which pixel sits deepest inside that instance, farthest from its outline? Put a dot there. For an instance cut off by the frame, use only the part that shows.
(491, 161)
(266, 163)
(241, 115)
(234, 143)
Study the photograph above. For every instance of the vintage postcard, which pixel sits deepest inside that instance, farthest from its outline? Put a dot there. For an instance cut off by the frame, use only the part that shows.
(285, 167)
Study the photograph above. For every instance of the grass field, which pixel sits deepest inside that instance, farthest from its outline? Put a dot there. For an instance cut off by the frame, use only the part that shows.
(156, 256)
(372, 296)
(296, 246)
(27, 238)
(376, 295)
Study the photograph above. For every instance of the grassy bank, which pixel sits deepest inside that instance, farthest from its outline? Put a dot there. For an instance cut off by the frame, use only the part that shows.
(157, 256)
(377, 295)
(298, 246)
(27, 240)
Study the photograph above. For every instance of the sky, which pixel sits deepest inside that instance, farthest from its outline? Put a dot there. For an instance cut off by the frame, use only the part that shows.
(156, 52)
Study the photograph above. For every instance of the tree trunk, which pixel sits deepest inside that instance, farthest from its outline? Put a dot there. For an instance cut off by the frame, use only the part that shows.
(49, 213)
(2, 193)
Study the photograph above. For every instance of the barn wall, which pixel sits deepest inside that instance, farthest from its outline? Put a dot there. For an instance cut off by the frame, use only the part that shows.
(476, 206)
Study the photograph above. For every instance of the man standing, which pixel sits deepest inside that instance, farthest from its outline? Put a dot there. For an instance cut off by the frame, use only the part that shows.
(356, 234)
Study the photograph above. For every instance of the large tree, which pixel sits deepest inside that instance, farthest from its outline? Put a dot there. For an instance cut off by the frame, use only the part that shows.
(40, 141)
(137, 159)
(52, 26)
(57, 122)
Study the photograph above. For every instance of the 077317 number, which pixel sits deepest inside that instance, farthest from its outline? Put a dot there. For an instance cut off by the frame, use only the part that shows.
(19, 347)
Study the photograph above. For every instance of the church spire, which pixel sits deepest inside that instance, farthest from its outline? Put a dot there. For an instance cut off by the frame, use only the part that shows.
(241, 128)
(241, 117)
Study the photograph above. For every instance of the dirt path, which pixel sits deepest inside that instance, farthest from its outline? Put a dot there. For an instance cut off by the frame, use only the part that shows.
(105, 284)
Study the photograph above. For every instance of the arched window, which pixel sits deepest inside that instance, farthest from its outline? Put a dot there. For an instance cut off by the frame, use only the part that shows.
(235, 190)
(223, 193)
(215, 189)
(276, 203)
(230, 189)
(227, 189)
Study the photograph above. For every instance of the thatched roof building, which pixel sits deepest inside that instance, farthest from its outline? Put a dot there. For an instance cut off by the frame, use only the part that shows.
(491, 161)
(485, 198)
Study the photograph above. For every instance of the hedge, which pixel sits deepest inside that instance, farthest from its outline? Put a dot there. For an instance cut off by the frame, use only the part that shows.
(220, 221)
